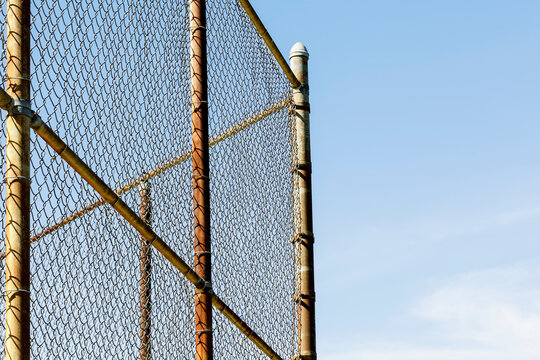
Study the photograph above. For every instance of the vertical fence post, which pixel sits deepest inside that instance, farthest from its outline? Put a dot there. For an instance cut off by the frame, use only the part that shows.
(201, 181)
(17, 341)
(17, 296)
(145, 285)
(304, 238)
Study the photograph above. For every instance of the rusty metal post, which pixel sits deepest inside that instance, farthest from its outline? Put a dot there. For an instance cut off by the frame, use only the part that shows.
(304, 238)
(145, 285)
(17, 296)
(201, 181)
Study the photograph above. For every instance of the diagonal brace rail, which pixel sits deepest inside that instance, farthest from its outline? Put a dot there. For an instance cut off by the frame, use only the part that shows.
(61, 148)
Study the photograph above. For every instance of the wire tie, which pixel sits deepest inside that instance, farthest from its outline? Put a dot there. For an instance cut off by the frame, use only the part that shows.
(200, 176)
(17, 177)
(198, 102)
(6, 78)
(203, 330)
(16, 290)
(197, 27)
(201, 252)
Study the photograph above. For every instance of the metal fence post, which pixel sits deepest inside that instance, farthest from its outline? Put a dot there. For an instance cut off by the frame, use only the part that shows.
(145, 285)
(17, 296)
(201, 181)
(304, 238)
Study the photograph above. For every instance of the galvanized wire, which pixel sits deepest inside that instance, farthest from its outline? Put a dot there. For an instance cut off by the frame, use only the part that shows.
(251, 194)
(112, 78)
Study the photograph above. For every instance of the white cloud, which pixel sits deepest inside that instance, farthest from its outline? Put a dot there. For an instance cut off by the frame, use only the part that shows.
(497, 308)
(491, 314)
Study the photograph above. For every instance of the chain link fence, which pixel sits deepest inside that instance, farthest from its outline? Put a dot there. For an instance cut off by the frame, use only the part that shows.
(112, 77)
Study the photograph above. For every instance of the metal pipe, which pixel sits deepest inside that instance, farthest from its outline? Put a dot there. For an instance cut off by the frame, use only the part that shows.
(17, 241)
(60, 147)
(201, 181)
(145, 284)
(6, 101)
(157, 171)
(304, 237)
(295, 83)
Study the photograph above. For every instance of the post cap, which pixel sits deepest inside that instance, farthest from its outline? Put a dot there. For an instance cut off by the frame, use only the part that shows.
(299, 49)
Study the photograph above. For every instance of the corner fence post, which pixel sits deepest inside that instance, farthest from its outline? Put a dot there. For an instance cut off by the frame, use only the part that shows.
(201, 181)
(145, 285)
(304, 238)
(17, 295)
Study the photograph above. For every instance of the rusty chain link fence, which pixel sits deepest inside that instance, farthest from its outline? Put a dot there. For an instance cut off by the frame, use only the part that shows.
(112, 78)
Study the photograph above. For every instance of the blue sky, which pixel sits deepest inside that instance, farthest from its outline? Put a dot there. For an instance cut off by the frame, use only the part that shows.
(425, 142)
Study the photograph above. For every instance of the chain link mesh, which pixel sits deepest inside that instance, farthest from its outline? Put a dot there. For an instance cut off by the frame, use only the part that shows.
(113, 79)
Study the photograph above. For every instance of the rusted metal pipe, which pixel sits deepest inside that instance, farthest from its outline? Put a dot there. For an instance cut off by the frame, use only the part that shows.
(17, 290)
(201, 181)
(60, 147)
(6, 101)
(304, 237)
(145, 281)
(295, 83)
(157, 171)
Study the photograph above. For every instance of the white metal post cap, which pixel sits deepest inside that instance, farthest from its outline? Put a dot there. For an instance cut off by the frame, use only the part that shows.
(299, 49)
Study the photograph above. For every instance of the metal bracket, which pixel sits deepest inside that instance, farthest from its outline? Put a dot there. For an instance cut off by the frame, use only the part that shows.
(311, 356)
(304, 106)
(297, 298)
(22, 107)
(302, 166)
(304, 89)
(207, 288)
(301, 236)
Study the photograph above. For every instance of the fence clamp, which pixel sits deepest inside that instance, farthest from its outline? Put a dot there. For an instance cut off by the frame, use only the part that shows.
(297, 297)
(206, 288)
(302, 236)
(22, 107)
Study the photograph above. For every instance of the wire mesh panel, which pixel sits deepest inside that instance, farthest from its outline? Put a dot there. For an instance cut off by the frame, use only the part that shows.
(251, 194)
(112, 77)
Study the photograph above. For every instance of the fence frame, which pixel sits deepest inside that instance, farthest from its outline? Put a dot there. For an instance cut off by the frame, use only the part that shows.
(21, 117)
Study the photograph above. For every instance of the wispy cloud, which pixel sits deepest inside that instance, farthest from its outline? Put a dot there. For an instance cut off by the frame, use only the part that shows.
(492, 314)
